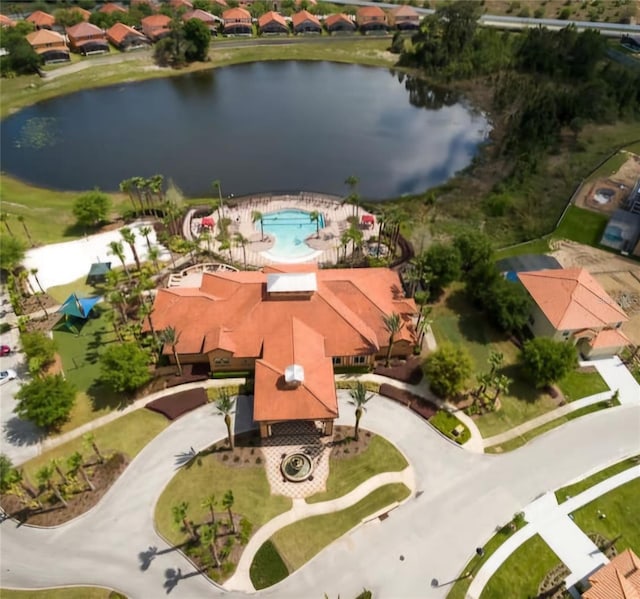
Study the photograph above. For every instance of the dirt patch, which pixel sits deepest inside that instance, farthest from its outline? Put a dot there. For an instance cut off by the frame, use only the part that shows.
(343, 445)
(79, 499)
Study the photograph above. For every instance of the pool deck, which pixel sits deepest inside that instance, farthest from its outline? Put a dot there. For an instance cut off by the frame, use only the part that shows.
(326, 245)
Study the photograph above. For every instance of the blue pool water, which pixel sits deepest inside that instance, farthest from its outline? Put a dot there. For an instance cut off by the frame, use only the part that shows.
(290, 229)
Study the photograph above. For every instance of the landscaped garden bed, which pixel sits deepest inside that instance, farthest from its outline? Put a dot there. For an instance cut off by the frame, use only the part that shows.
(407, 371)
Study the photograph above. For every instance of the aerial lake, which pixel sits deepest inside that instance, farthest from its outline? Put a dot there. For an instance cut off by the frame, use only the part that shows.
(266, 126)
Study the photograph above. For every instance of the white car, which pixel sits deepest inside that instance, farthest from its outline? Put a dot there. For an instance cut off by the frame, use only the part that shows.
(7, 375)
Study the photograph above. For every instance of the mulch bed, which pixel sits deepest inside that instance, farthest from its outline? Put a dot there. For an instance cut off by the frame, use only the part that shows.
(418, 404)
(54, 513)
(344, 444)
(407, 371)
(178, 404)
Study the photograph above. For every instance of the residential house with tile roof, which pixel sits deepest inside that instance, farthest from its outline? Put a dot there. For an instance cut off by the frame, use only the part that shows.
(110, 8)
(181, 4)
(273, 23)
(5, 21)
(126, 38)
(570, 305)
(619, 579)
(371, 18)
(305, 22)
(210, 20)
(237, 21)
(155, 27)
(405, 18)
(339, 23)
(291, 325)
(50, 45)
(86, 38)
(41, 20)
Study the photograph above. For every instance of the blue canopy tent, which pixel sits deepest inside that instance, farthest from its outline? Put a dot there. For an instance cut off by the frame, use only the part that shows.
(75, 307)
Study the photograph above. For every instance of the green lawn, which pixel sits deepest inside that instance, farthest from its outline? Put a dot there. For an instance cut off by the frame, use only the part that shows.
(62, 593)
(577, 385)
(537, 246)
(457, 321)
(524, 438)
(446, 423)
(128, 434)
(345, 474)
(80, 287)
(582, 226)
(569, 491)
(610, 167)
(522, 572)
(621, 510)
(459, 589)
(207, 476)
(267, 567)
(297, 543)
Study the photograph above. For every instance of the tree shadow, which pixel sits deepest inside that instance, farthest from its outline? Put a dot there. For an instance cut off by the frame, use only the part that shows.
(102, 397)
(173, 577)
(22, 433)
(146, 557)
(521, 388)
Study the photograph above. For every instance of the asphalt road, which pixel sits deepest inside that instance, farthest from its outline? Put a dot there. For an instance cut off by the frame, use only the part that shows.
(462, 498)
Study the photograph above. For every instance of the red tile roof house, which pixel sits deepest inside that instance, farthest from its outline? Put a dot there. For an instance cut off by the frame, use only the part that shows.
(50, 45)
(371, 18)
(155, 27)
(339, 23)
(237, 21)
(290, 324)
(126, 38)
(5, 21)
(41, 20)
(211, 21)
(272, 23)
(178, 4)
(405, 18)
(305, 22)
(619, 579)
(110, 8)
(570, 305)
(86, 39)
(84, 13)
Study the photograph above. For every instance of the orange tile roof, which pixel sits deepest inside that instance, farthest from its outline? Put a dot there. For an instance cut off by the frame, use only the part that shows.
(370, 12)
(201, 15)
(610, 338)
(82, 30)
(304, 15)
(333, 19)
(120, 31)
(619, 579)
(572, 299)
(181, 4)
(156, 21)
(86, 14)
(110, 7)
(5, 21)
(404, 11)
(44, 40)
(236, 13)
(271, 16)
(41, 19)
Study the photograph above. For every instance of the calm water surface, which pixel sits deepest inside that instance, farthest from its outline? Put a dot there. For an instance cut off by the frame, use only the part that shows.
(272, 126)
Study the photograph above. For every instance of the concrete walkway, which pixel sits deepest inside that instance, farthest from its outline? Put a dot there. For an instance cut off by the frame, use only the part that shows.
(552, 522)
(241, 580)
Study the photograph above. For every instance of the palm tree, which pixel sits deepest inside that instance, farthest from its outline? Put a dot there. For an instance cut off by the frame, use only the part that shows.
(496, 360)
(126, 186)
(172, 337)
(422, 328)
(26, 231)
(90, 441)
(209, 503)
(129, 237)
(208, 537)
(345, 238)
(216, 185)
(225, 404)
(484, 379)
(75, 463)
(227, 504)
(359, 398)
(154, 256)
(356, 237)
(155, 185)
(34, 274)
(45, 478)
(117, 249)
(394, 324)
(4, 217)
(145, 311)
(205, 235)
(180, 519)
(145, 232)
(314, 216)
(138, 184)
(242, 241)
(256, 216)
(55, 464)
(501, 385)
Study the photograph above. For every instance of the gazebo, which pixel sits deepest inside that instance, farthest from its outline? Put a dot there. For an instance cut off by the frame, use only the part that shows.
(75, 307)
(98, 272)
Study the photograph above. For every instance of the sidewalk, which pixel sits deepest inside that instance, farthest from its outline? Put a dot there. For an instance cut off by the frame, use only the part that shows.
(241, 580)
(552, 522)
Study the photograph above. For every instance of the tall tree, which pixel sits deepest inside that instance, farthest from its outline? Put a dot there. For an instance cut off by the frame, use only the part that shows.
(34, 274)
(227, 503)
(197, 39)
(172, 337)
(22, 221)
(124, 367)
(146, 231)
(353, 198)
(90, 441)
(393, 323)
(117, 249)
(242, 241)
(547, 361)
(181, 520)
(4, 217)
(44, 477)
(359, 398)
(46, 401)
(129, 237)
(225, 404)
(256, 216)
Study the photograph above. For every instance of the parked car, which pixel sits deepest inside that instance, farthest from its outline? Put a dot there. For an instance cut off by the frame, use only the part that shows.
(7, 375)
(5, 350)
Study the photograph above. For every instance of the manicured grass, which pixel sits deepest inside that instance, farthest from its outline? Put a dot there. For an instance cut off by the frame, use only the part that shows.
(459, 589)
(621, 511)
(577, 385)
(208, 476)
(345, 474)
(569, 491)
(537, 246)
(610, 167)
(299, 542)
(522, 572)
(582, 226)
(61, 292)
(446, 422)
(128, 434)
(267, 567)
(62, 593)
(526, 437)
(457, 321)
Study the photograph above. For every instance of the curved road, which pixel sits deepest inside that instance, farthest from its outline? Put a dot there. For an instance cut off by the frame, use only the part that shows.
(461, 498)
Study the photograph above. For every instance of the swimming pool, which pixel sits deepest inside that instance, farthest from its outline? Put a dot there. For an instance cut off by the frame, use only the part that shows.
(290, 228)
